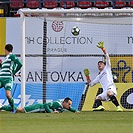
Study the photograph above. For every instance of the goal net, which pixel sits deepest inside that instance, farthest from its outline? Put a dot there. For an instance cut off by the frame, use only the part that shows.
(54, 58)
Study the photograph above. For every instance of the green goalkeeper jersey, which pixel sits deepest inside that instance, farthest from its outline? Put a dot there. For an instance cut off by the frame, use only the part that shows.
(47, 107)
(10, 66)
(56, 106)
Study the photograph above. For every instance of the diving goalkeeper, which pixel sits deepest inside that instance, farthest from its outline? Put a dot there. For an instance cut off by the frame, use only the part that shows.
(50, 107)
(106, 80)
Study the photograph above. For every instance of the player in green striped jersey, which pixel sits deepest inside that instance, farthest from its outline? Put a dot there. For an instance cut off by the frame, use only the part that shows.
(8, 68)
(50, 107)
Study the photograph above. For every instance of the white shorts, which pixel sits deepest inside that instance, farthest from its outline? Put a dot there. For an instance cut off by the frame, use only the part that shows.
(104, 96)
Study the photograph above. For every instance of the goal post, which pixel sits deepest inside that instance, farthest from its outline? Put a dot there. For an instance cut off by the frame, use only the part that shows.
(23, 82)
(66, 52)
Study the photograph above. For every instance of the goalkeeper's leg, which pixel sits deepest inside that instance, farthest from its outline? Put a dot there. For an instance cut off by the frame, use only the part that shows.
(7, 108)
(114, 100)
(98, 103)
(32, 108)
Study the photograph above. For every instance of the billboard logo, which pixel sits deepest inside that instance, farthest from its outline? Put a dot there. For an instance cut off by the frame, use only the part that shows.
(57, 26)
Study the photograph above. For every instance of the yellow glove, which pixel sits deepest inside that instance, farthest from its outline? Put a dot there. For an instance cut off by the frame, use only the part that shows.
(100, 45)
(86, 72)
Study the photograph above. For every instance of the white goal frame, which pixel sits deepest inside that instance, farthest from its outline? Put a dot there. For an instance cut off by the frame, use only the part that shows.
(44, 12)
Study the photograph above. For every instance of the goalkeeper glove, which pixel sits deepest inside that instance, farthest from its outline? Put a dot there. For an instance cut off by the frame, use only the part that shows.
(86, 72)
(100, 45)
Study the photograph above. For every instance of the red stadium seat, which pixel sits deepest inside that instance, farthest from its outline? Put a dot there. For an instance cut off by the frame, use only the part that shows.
(50, 4)
(120, 4)
(84, 4)
(16, 4)
(32, 4)
(101, 4)
(67, 4)
(130, 4)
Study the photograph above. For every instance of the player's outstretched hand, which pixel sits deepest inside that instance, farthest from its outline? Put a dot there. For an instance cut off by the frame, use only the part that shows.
(55, 111)
(86, 72)
(100, 45)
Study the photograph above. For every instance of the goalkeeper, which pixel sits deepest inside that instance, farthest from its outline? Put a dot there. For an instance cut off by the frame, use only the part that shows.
(106, 80)
(50, 107)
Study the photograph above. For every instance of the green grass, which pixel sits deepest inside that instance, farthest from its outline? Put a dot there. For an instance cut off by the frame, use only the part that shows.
(83, 122)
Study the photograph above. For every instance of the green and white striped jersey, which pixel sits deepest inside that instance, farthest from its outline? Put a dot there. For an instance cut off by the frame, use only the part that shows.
(10, 66)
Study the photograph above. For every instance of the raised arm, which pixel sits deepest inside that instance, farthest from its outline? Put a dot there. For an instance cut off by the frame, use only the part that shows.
(101, 46)
(95, 81)
(91, 83)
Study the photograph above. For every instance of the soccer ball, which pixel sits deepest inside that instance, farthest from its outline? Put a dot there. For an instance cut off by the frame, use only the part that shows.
(115, 78)
(75, 31)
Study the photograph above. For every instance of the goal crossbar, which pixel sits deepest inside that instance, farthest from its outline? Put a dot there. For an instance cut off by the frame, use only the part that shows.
(73, 10)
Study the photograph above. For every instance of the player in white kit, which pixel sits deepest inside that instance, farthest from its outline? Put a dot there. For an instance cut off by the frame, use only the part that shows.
(105, 78)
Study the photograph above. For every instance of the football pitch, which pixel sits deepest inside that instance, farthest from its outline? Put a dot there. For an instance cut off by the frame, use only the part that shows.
(67, 122)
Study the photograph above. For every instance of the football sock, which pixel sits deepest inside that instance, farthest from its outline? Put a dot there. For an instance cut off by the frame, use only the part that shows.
(98, 102)
(11, 102)
(114, 100)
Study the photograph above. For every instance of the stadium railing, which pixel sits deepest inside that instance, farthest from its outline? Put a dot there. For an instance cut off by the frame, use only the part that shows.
(12, 6)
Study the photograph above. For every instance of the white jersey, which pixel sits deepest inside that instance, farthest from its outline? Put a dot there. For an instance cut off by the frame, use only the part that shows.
(105, 77)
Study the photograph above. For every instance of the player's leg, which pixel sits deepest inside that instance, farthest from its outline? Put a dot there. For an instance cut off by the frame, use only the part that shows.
(98, 102)
(10, 99)
(8, 83)
(114, 100)
(34, 108)
(7, 108)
